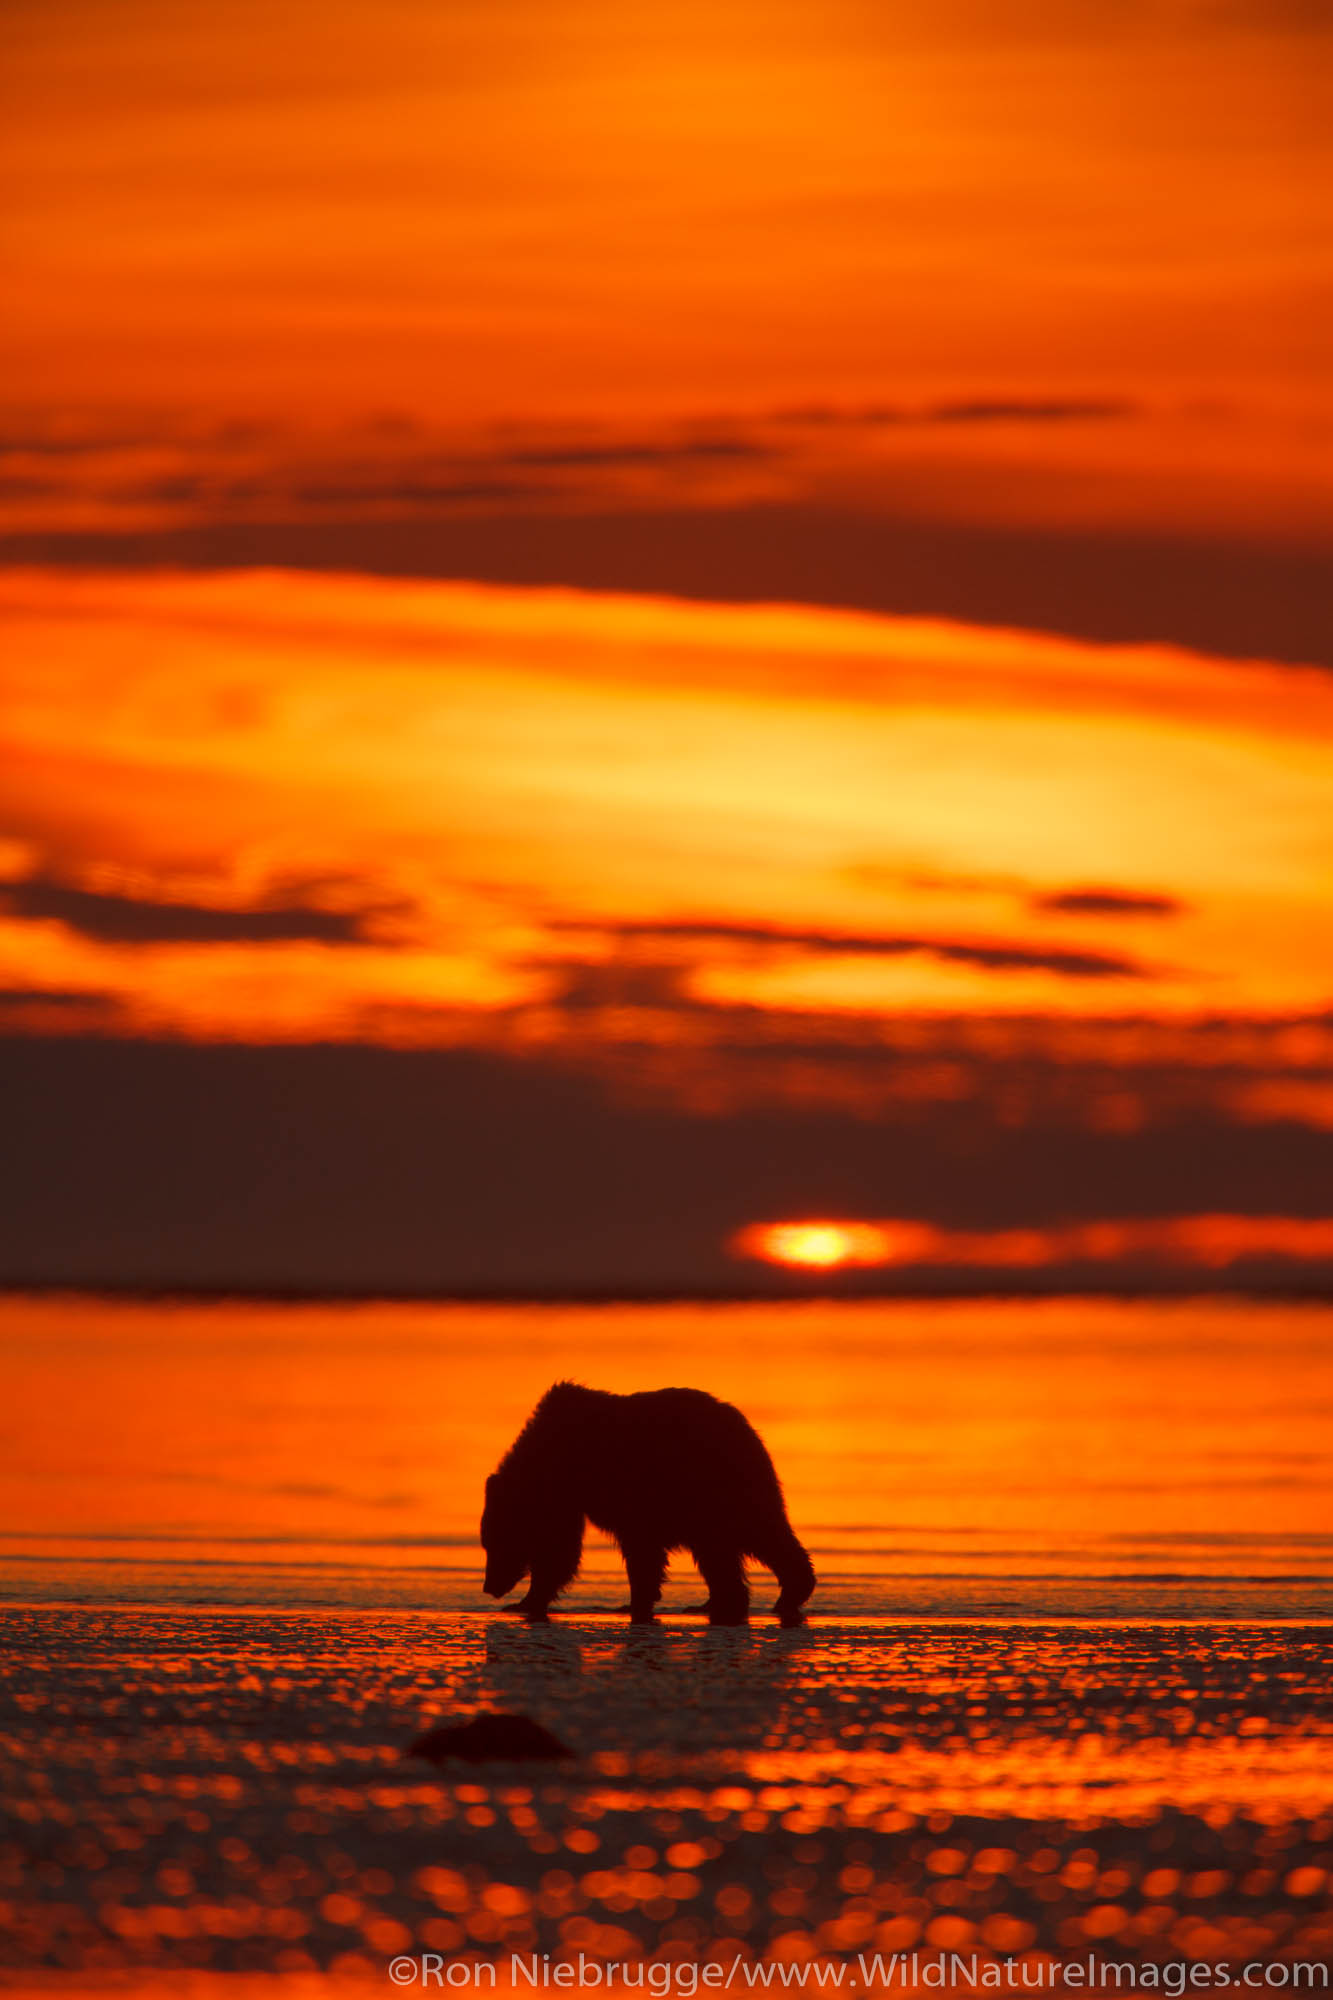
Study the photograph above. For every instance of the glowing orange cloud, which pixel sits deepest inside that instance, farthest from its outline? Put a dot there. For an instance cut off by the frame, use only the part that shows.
(276, 806)
(1208, 1242)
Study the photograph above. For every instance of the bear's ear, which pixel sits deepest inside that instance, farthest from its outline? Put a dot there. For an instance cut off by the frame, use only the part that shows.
(490, 1483)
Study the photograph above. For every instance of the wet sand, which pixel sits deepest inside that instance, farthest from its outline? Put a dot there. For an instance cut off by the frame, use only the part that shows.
(224, 1791)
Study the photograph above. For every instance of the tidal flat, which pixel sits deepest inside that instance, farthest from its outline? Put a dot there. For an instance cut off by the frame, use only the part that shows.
(225, 1791)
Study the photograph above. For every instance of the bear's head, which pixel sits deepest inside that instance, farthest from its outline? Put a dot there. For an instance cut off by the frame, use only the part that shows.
(504, 1536)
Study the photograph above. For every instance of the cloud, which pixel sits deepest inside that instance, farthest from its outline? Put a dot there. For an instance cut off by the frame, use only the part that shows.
(53, 1011)
(73, 473)
(75, 999)
(1107, 903)
(476, 785)
(117, 919)
(444, 1170)
(182, 471)
(989, 955)
(583, 988)
(404, 487)
(657, 452)
(1232, 596)
(1082, 900)
(962, 410)
(1032, 410)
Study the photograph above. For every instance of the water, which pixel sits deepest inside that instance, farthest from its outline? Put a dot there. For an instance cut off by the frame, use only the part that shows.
(227, 1791)
(1065, 1691)
(1091, 1458)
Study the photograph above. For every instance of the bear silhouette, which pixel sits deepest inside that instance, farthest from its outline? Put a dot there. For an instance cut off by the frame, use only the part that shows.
(664, 1469)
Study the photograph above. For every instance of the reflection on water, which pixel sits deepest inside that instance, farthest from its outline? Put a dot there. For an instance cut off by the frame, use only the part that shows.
(936, 1763)
(989, 1458)
(227, 1790)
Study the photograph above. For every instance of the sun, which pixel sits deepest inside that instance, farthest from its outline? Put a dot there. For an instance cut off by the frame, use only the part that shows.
(815, 1245)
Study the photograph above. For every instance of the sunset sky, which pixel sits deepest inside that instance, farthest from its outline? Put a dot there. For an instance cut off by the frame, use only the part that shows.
(626, 621)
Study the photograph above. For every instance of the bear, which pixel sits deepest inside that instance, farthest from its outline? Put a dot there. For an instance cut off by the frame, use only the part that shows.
(658, 1470)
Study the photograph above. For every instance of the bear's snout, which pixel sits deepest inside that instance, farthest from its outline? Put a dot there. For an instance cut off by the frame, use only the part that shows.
(499, 1582)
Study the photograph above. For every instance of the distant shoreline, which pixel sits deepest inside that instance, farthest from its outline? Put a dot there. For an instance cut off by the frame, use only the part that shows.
(1065, 1283)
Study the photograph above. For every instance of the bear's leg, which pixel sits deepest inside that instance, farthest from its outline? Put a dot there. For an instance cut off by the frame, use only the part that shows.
(548, 1580)
(723, 1570)
(556, 1566)
(538, 1601)
(646, 1564)
(783, 1554)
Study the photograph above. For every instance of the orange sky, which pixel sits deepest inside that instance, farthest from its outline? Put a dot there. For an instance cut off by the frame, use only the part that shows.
(1012, 319)
(263, 256)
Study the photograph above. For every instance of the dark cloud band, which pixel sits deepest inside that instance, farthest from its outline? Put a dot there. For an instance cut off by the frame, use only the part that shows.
(113, 919)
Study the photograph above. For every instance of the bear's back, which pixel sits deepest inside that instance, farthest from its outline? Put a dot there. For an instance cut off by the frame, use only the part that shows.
(672, 1462)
